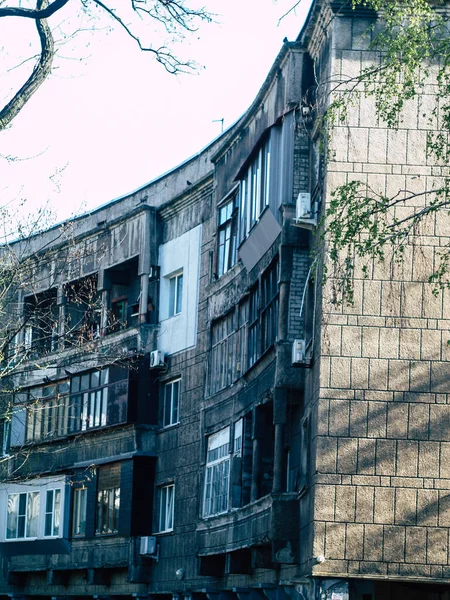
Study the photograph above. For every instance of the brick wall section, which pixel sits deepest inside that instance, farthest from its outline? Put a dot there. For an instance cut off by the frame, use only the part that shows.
(300, 267)
(381, 489)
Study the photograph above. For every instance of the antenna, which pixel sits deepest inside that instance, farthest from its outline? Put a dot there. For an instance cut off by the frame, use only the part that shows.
(219, 121)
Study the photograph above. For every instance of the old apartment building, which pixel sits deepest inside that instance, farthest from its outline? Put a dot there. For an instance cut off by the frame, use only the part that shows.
(186, 414)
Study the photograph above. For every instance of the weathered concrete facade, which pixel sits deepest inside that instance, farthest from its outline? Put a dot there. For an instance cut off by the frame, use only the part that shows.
(161, 439)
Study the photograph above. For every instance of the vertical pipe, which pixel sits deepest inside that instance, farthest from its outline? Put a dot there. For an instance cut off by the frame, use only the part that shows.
(105, 307)
(62, 316)
(278, 462)
(256, 468)
(143, 300)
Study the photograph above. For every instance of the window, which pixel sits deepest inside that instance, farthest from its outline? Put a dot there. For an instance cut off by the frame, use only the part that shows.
(254, 189)
(119, 308)
(171, 402)
(108, 504)
(223, 353)
(79, 511)
(227, 251)
(237, 448)
(166, 507)
(269, 310)
(241, 366)
(52, 512)
(22, 515)
(5, 425)
(47, 410)
(253, 327)
(82, 311)
(42, 317)
(258, 319)
(175, 294)
(108, 499)
(217, 476)
(88, 400)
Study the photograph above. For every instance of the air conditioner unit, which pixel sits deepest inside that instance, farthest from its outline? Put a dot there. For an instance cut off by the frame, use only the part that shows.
(303, 208)
(304, 212)
(149, 546)
(157, 359)
(300, 356)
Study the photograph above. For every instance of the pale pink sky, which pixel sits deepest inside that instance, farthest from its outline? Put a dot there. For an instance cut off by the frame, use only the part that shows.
(112, 121)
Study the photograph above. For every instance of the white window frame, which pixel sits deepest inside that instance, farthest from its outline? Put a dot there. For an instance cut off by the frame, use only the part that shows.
(254, 188)
(53, 512)
(36, 529)
(176, 298)
(174, 389)
(217, 474)
(25, 515)
(227, 234)
(166, 508)
(79, 511)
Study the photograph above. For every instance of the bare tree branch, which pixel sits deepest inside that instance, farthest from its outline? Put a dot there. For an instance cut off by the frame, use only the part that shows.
(33, 13)
(39, 74)
(162, 54)
(174, 17)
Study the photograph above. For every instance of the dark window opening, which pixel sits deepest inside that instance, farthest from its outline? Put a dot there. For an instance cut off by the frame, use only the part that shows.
(108, 499)
(124, 286)
(82, 311)
(41, 323)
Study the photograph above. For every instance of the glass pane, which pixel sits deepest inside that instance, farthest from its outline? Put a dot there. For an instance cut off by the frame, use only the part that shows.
(32, 514)
(95, 379)
(162, 509)
(104, 406)
(79, 511)
(56, 512)
(91, 408)
(169, 515)
(110, 517)
(84, 382)
(30, 423)
(49, 501)
(49, 390)
(175, 401)
(82, 512)
(116, 508)
(99, 512)
(13, 507)
(179, 293)
(63, 387)
(167, 402)
(84, 414)
(98, 406)
(48, 524)
(104, 376)
(75, 384)
(172, 284)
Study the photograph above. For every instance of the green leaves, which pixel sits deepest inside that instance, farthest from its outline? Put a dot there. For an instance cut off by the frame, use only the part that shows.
(411, 46)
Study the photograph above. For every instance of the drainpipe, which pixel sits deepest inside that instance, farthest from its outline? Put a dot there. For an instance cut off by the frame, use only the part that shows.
(61, 302)
(256, 457)
(143, 300)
